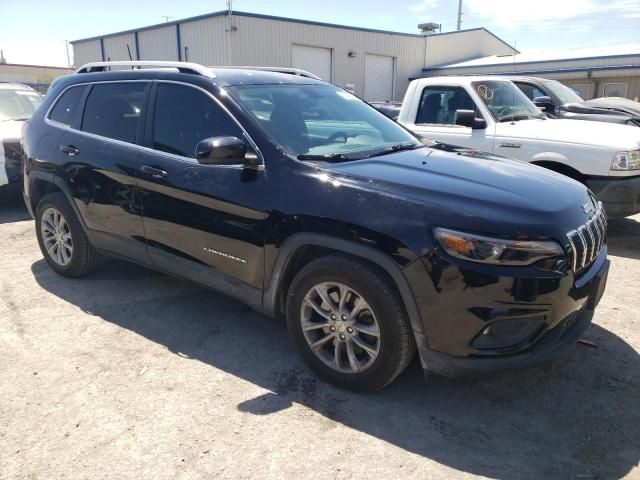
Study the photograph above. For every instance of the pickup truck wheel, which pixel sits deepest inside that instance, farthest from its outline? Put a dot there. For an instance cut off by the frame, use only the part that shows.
(62, 240)
(348, 324)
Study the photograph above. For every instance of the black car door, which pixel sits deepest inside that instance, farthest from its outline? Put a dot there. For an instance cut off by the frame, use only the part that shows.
(99, 154)
(204, 222)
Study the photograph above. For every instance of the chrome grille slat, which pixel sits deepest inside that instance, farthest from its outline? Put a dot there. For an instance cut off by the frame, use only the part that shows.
(587, 240)
(593, 240)
(584, 248)
(573, 252)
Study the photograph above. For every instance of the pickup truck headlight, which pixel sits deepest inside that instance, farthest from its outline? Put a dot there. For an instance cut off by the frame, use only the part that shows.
(624, 161)
(495, 251)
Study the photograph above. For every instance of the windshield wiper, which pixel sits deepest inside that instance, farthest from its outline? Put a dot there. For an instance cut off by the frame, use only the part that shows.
(343, 157)
(515, 118)
(396, 148)
(330, 157)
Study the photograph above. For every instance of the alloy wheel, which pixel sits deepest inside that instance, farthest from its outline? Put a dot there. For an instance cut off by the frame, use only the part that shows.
(56, 236)
(340, 327)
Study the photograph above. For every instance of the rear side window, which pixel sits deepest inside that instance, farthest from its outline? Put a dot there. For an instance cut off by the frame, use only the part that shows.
(184, 116)
(114, 110)
(67, 105)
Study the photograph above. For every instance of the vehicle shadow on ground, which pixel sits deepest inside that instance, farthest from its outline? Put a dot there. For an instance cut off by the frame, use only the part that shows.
(12, 207)
(623, 237)
(575, 419)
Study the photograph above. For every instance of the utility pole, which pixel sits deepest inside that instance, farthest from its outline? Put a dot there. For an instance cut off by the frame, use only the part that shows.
(166, 19)
(459, 14)
(66, 47)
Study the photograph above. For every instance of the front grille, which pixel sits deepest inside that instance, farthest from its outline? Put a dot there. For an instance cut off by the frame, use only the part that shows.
(570, 321)
(587, 240)
(508, 333)
(562, 329)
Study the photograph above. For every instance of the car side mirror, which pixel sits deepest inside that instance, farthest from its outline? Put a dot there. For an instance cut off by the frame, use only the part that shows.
(545, 103)
(223, 151)
(467, 118)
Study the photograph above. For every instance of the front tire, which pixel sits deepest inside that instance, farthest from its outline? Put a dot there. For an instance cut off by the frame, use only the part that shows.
(61, 238)
(347, 322)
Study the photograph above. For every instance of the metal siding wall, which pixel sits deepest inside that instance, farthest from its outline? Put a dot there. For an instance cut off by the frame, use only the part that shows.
(115, 48)
(85, 52)
(269, 43)
(158, 44)
(206, 41)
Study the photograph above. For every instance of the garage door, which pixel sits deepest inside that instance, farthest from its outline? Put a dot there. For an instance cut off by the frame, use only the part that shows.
(378, 78)
(316, 60)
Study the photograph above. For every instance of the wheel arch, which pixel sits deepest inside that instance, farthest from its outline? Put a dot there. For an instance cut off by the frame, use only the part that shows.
(301, 248)
(558, 164)
(44, 183)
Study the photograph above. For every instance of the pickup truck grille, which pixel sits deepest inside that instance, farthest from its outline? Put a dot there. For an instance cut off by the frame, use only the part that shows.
(587, 240)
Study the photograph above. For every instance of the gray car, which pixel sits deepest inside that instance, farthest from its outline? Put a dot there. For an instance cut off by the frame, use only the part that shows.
(559, 101)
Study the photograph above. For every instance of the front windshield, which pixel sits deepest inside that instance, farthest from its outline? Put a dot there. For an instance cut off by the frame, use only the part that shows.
(322, 121)
(17, 104)
(564, 93)
(506, 101)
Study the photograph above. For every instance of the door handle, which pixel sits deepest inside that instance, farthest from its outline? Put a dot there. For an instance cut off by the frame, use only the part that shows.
(154, 172)
(70, 150)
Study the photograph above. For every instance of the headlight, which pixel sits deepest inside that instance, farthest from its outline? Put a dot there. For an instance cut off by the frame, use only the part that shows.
(626, 161)
(496, 251)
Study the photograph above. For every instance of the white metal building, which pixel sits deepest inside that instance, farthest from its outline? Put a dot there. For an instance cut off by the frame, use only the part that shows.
(608, 71)
(374, 64)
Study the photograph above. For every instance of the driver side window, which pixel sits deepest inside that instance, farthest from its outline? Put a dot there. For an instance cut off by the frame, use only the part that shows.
(184, 116)
(438, 105)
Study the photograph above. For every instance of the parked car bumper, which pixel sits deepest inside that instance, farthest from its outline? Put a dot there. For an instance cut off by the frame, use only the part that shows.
(621, 197)
(497, 322)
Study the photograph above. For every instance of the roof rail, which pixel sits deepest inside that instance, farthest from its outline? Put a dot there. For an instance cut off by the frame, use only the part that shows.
(182, 67)
(290, 71)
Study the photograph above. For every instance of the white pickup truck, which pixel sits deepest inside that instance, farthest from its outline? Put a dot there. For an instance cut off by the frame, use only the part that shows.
(492, 115)
(17, 104)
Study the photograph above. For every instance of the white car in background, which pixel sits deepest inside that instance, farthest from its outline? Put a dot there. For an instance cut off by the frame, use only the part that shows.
(17, 104)
(491, 114)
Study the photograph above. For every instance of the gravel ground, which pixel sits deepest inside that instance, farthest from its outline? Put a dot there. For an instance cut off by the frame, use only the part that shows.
(132, 374)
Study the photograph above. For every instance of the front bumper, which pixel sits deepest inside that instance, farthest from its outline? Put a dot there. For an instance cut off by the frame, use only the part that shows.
(559, 308)
(620, 196)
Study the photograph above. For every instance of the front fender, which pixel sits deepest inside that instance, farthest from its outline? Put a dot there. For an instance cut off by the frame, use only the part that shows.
(382, 260)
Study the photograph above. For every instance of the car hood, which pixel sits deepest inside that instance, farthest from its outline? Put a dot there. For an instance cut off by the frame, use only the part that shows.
(484, 192)
(614, 103)
(581, 132)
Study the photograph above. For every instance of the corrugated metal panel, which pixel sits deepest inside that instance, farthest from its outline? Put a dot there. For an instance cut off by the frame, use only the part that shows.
(378, 78)
(158, 44)
(86, 52)
(270, 42)
(316, 60)
(115, 48)
(205, 41)
(262, 41)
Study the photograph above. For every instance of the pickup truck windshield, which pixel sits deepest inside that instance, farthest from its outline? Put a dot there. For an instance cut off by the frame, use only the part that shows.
(506, 101)
(322, 122)
(564, 93)
(17, 104)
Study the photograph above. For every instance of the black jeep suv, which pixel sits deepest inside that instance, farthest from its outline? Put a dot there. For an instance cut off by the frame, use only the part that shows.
(299, 199)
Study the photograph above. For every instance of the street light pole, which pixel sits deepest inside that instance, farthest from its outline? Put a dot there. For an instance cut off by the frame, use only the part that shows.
(66, 47)
(459, 14)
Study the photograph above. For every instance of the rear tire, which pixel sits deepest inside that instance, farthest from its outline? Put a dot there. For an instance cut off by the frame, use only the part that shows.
(347, 322)
(61, 238)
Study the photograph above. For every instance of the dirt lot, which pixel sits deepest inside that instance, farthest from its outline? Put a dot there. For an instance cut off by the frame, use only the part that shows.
(132, 374)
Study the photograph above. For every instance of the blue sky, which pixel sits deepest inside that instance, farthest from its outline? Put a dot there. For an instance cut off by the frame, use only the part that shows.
(33, 31)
